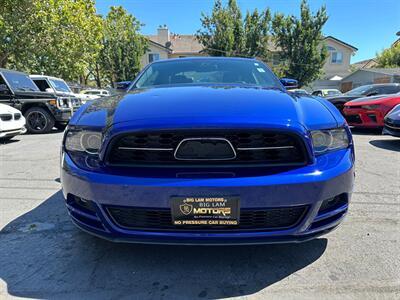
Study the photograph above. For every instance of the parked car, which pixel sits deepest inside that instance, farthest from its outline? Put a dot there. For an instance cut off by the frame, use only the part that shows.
(364, 91)
(207, 151)
(59, 87)
(369, 111)
(392, 122)
(41, 110)
(12, 122)
(96, 93)
(299, 92)
(326, 93)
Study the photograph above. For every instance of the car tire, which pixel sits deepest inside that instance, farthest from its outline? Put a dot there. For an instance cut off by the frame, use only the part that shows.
(38, 120)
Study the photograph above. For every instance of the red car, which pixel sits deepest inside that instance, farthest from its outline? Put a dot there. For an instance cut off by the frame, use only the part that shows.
(369, 111)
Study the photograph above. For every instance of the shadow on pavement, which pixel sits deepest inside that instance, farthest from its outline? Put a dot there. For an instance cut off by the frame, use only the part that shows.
(53, 131)
(10, 141)
(366, 131)
(393, 145)
(44, 256)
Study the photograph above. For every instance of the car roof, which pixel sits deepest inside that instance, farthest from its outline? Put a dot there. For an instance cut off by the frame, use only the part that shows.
(44, 76)
(12, 71)
(203, 58)
(380, 84)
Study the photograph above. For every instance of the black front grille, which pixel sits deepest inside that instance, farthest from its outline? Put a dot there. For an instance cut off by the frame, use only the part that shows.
(250, 219)
(17, 116)
(353, 119)
(6, 117)
(251, 147)
(372, 117)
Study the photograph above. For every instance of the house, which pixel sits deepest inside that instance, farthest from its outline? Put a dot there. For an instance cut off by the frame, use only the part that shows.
(168, 45)
(370, 76)
(337, 64)
(364, 64)
(155, 51)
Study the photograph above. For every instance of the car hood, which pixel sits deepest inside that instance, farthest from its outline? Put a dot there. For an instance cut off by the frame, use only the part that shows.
(343, 97)
(371, 100)
(208, 106)
(33, 95)
(394, 114)
(64, 94)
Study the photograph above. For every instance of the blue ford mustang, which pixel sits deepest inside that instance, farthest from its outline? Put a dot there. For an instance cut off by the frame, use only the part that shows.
(207, 151)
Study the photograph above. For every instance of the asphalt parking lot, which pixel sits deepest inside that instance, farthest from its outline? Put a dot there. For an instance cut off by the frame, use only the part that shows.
(42, 255)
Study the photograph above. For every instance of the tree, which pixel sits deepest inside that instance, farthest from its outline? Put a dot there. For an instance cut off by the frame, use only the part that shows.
(301, 43)
(123, 46)
(71, 40)
(226, 33)
(390, 57)
(17, 29)
(53, 37)
(257, 34)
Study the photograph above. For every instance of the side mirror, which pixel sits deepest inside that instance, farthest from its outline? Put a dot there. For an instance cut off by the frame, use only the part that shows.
(289, 83)
(49, 90)
(372, 94)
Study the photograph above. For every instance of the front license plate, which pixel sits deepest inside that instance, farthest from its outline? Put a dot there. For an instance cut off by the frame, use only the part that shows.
(212, 211)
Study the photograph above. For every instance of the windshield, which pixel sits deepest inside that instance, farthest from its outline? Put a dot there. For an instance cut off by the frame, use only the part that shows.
(208, 71)
(333, 93)
(20, 81)
(60, 85)
(361, 90)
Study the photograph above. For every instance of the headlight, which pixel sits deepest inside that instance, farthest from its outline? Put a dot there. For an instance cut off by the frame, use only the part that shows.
(329, 140)
(64, 102)
(83, 141)
(83, 147)
(373, 106)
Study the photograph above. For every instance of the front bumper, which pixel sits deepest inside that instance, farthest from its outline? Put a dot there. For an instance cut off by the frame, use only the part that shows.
(391, 129)
(12, 132)
(330, 176)
(64, 115)
(358, 117)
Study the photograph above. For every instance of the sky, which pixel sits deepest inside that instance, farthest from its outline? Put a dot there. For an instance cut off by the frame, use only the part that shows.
(369, 25)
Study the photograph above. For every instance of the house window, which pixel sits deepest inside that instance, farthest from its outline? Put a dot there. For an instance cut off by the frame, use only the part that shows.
(336, 56)
(154, 57)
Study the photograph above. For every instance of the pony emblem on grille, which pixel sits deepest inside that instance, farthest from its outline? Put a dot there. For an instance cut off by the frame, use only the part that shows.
(207, 148)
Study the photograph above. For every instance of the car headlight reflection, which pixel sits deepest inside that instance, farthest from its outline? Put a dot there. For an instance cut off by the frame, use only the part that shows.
(329, 140)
